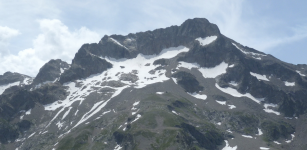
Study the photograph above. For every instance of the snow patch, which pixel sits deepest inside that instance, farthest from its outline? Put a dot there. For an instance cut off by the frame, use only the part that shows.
(175, 80)
(247, 136)
(231, 66)
(289, 83)
(116, 42)
(206, 72)
(60, 124)
(289, 141)
(227, 147)
(259, 77)
(207, 40)
(76, 112)
(28, 112)
(233, 83)
(235, 93)
(136, 103)
(276, 142)
(221, 102)
(133, 108)
(198, 96)
(248, 53)
(300, 73)
(160, 93)
(229, 131)
(31, 135)
(264, 148)
(268, 110)
(138, 116)
(61, 70)
(232, 106)
(66, 113)
(260, 132)
(3, 87)
(174, 112)
(117, 147)
(133, 113)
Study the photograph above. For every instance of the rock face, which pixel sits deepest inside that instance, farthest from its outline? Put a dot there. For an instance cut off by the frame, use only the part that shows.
(182, 87)
(188, 82)
(10, 77)
(84, 64)
(51, 71)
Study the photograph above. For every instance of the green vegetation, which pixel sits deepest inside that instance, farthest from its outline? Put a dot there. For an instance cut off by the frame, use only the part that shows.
(79, 142)
(274, 130)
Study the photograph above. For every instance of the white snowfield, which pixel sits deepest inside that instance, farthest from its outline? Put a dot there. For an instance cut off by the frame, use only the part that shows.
(264, 148)
(136, 66)
(139, 65)
(289, 83)
(259, 76)
(268, 110)
(4, 87)
(235, 93)
(207, 40)
(206, 72)
(198, 96)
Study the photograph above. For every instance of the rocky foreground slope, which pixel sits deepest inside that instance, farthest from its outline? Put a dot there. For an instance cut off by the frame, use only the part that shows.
(182, 87)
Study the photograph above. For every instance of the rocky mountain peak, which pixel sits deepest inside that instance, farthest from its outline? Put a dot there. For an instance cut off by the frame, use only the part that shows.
(51, 71)
(180, 87)
(199, 27)
(10, 77)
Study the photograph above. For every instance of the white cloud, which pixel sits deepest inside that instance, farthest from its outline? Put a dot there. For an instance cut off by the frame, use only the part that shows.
(55, 41)
(6, 34)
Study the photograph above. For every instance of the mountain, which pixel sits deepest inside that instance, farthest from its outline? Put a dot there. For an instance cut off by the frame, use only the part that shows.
(181, 87)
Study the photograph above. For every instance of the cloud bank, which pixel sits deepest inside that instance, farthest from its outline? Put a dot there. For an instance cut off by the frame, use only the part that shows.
(55, 41)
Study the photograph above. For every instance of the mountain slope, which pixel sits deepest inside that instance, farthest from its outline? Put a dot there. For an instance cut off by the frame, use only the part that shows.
(182, 87)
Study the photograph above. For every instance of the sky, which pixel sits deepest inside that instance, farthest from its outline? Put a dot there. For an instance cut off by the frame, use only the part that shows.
(34, 31)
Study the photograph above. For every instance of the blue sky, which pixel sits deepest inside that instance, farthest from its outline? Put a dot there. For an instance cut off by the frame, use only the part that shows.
(32, 32)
